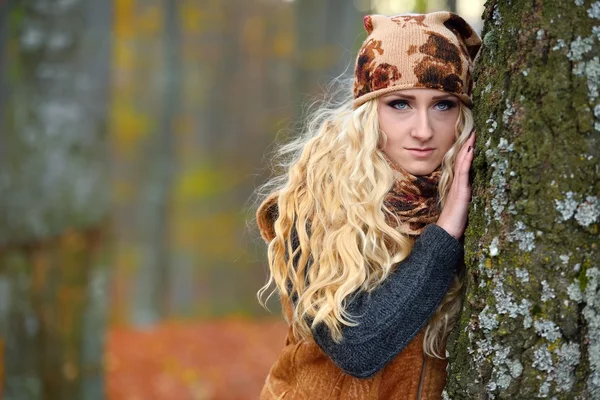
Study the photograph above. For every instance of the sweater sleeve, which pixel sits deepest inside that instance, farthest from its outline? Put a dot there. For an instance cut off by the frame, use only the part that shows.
(390, 316)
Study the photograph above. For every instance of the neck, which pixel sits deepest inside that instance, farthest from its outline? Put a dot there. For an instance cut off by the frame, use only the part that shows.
(401, 172)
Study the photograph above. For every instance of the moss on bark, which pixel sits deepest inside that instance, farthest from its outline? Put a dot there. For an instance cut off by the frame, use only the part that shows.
(527, 326)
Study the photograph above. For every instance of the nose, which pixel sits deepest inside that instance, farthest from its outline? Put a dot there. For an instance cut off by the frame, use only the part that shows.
(422, 128)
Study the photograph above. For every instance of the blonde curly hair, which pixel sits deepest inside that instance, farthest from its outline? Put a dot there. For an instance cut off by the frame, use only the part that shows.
(334, 181)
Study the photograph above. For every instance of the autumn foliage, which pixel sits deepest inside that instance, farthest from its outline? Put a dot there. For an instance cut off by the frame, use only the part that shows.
(227, 359)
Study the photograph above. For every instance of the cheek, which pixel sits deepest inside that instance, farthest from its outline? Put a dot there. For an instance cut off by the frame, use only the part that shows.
(385, 126)
(448, 141)
(390, 126)
(384, 122)
(446, 135)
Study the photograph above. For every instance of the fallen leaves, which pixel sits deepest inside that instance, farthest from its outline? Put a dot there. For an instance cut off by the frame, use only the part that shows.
(208, 360)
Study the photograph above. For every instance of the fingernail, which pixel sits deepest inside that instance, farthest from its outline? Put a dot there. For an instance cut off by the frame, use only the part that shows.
(469, 149)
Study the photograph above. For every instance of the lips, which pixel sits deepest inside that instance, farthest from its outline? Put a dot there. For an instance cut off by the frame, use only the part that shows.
(420, 152)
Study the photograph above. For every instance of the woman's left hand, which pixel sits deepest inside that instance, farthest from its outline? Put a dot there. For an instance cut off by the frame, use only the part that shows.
(453, 218)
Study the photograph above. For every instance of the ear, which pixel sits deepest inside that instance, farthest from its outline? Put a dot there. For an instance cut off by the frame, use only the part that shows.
(368, 23)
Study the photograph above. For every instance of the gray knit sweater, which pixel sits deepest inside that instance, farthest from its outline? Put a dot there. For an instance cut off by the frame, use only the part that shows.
(390, 316)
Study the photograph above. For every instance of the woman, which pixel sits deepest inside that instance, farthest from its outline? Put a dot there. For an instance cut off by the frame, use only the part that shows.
(364, 228)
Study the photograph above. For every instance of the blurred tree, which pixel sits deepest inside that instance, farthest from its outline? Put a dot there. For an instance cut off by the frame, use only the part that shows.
(328, 33)
(451, 5)
(54, 203)
(531, 323)
(141, 157)
(153, 284)
(184, 156)
(421, 6)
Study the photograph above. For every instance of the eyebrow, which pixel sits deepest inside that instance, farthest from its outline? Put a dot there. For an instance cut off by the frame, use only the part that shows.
(405, 96)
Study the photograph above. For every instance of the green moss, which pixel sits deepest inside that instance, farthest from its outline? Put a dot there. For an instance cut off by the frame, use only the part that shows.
(548, 125)
(16, 17)
(583, 279)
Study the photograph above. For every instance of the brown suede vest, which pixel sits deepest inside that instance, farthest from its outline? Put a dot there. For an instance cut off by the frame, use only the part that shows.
(304, 372)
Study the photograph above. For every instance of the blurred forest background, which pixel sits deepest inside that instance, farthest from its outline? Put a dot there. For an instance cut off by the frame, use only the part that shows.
(132, 136)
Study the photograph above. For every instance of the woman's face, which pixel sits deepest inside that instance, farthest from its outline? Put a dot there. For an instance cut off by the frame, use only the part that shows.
(420, 127)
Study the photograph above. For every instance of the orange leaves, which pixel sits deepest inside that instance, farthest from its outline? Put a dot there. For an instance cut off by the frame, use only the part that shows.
(227, 359)
(124, 13)
(130, 20)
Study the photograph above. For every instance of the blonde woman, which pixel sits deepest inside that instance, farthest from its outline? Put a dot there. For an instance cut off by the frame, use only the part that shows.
(364, 227)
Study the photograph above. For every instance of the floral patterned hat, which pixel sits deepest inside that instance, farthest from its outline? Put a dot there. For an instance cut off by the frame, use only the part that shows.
(434, 50)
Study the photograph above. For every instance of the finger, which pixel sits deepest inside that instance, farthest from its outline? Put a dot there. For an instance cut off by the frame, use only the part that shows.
(467, 163)
(464, 163)
(473, 138)
(471, 149)
(467, 160)
(469, 143)
(460, 157)
(465, 147)
(463, 152)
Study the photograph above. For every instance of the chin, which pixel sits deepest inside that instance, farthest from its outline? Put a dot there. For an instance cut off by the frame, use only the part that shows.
(419, 170)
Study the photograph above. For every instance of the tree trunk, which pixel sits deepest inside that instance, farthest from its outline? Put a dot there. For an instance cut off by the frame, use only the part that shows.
(54, 202)
(327, 32)
(451, 4)
(153, 285)
(530, 325)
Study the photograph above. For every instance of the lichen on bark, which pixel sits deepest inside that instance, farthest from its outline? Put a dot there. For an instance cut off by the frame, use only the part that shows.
(530, 325)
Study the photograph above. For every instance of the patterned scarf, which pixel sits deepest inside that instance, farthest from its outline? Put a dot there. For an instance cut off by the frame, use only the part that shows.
(414, 199)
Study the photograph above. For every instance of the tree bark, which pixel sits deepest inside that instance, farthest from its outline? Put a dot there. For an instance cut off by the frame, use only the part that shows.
(54, 202)
(153, 300)
(530, 325)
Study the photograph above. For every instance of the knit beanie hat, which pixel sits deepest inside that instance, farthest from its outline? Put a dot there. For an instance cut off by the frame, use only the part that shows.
(434, 50)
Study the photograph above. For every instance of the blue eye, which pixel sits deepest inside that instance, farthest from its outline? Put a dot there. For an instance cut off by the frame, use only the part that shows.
(446, 105)
(395, 103)
(443, 105)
